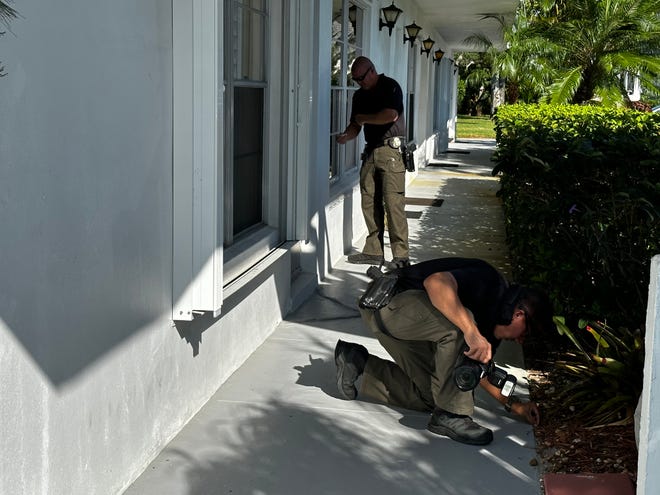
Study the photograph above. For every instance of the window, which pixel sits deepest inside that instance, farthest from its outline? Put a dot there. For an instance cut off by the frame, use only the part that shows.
(226, 145)
(442, 96)
(347, 45)
(251, 168)
(245, 92)
(410, 104)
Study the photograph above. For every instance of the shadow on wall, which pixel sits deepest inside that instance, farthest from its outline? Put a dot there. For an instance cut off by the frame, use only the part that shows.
(192, 331)
(79, 281)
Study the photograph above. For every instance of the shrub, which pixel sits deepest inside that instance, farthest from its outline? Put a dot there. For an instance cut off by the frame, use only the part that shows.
(581, 192)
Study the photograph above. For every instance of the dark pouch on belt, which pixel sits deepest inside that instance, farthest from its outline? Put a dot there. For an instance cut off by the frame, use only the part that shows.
(379, 292)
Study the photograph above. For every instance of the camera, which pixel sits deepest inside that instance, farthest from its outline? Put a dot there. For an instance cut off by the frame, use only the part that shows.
(468, 373)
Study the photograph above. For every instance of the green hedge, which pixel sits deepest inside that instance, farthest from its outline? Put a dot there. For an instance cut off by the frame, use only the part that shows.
(581, 192)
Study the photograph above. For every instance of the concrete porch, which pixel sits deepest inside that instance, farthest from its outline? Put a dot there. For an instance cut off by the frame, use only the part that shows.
(277, 425)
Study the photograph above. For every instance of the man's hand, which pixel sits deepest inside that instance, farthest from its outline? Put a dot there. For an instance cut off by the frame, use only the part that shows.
(528, 410)
(479, 348)
(342, 138)
(349, 133)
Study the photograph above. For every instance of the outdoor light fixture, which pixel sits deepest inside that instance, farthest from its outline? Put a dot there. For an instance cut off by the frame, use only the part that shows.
(427, 44)
(412, 30)
(352, 14)
(391, 14)
(437, 55)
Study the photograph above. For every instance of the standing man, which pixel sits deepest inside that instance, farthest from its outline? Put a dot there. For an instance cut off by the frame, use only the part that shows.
(378, 106)
(445, 309)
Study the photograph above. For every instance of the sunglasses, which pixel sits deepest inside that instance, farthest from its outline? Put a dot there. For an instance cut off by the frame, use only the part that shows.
(528, 321)
(363, 76)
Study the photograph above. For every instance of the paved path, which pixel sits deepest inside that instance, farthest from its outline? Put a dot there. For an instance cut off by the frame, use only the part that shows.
(277, 425)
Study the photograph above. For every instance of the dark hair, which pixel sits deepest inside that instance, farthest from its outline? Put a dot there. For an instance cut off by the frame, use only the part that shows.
(538, 308)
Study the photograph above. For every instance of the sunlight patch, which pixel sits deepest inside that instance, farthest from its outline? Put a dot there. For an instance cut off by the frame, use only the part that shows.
(514, 471)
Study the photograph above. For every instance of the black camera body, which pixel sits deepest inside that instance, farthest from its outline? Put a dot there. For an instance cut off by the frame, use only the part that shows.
(468, 373)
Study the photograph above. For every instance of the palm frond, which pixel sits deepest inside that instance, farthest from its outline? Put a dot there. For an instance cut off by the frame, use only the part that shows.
(7, 13)
(564, 88)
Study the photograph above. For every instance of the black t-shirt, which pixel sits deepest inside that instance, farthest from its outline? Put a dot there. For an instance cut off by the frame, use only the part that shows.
(481, 288)
(385, 94)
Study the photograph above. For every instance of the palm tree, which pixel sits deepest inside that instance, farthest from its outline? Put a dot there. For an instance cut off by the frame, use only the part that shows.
(518, 63)
(576, 51)
(594, 43)
(6, 14)
(476, 76)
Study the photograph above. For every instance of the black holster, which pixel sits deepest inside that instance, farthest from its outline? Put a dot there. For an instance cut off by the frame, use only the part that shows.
(380, 291)
(408, 156)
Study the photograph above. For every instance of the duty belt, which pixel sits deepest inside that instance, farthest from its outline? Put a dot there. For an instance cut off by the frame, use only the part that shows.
(393, 142)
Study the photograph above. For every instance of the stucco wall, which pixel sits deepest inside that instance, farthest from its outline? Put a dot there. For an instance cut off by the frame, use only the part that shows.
(94, 377)
(85, 264)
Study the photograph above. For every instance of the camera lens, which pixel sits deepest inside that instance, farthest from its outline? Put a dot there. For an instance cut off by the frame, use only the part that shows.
(467, 377)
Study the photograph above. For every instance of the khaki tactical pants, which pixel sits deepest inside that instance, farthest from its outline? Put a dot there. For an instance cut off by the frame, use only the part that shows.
(424, 346)
(382, 188)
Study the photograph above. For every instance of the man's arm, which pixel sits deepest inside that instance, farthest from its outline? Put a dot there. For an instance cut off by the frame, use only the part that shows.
(351, 132)
(442, 290)
(528, 410)
(385, 116)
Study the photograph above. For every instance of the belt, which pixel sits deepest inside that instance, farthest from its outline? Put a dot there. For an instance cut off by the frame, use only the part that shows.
(393, 142)
(379, 322)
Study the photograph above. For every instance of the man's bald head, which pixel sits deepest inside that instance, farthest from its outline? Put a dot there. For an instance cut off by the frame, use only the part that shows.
(364, 72)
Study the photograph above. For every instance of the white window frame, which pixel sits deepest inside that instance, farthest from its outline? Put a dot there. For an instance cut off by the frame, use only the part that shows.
(196, 103)
(344, 165)
(411, 90)
(201, 267)
(249, 248)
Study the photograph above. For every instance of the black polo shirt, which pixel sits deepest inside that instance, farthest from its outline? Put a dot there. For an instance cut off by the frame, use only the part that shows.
(385, 94)
(481, 288)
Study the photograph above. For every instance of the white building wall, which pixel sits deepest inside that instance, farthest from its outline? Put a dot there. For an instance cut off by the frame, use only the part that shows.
(95, 378)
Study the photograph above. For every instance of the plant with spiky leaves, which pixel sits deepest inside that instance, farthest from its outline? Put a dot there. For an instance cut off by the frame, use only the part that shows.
(594, 43)
(7, 13)
(578, 51)
(603, 376)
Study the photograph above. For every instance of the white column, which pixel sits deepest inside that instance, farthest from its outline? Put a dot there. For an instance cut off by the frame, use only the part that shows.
(648, 475)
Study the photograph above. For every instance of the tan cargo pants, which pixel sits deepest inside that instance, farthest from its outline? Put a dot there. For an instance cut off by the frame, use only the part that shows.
(424, 346)
(382, 189)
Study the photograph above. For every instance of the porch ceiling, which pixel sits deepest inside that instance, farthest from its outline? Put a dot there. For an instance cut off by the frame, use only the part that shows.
(455, 20)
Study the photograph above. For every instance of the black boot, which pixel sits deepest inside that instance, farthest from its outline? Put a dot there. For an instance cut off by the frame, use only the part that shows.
(350, 360)
(459, 427)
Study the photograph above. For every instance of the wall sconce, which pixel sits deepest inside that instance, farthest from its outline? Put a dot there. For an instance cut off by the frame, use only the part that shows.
(391, 14)
(412, 30)
(437, 55)
(352, 15)
(427, 44)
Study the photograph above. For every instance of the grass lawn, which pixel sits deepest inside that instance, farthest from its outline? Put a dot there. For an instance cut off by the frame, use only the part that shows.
(474, 127)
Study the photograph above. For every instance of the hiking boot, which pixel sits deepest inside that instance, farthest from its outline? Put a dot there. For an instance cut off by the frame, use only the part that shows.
(365, 259)
(396, 263)
(350, 360)
(460, 428)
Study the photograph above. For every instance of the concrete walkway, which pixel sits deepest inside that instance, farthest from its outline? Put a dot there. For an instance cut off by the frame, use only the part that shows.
(277, 425)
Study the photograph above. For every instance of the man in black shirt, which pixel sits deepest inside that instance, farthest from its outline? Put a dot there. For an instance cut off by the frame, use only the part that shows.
(378, 107)
(442, 307)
